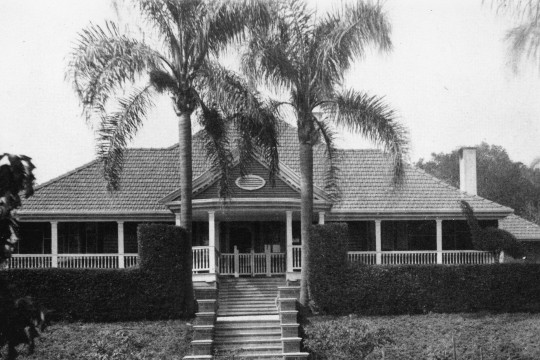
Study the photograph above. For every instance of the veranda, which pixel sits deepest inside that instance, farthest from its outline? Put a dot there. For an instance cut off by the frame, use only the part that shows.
(230, 245)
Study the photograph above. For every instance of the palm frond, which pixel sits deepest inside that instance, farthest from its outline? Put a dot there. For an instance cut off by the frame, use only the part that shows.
(104, 60)
(118, 128)
(231, 21)
(214, 132)
(163, 81)
(519, 9)
(369, 116)
(331, 176)
(266, 58)
(343, 35)
(162, 15)
(524, 42)
(254, 119)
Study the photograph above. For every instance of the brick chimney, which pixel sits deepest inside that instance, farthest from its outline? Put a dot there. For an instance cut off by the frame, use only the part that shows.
(467, 170)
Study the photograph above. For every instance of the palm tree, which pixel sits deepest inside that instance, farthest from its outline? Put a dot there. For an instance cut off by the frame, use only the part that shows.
(183, 64)
(307, 57)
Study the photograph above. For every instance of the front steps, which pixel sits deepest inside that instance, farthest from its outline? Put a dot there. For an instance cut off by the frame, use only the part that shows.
(247, 324)
(248, 321)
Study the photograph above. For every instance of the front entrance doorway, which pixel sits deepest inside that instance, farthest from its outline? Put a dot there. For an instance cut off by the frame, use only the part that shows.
(252, 248)
(241, 237)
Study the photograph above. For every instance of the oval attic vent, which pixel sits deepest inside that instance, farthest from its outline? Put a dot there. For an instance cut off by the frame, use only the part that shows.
(250, 182)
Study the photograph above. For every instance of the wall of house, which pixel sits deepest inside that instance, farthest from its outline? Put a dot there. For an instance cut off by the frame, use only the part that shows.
(87, 237)
(457, 235)
(34, 238)
(408, 235)
(248, 235)
(361, 235)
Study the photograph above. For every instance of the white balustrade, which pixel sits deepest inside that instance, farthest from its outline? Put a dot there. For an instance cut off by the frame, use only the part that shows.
(278, 263)
(18, 261)
(365, 257)
(131, 260)
(201, 258)
(297, 257)
(88, 261)
(247, 263)
(408, 257)
(468, 257)
(226, 264)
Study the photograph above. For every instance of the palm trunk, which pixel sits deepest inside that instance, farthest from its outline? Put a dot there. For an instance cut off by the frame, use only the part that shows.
(306, 214)
(186, 213)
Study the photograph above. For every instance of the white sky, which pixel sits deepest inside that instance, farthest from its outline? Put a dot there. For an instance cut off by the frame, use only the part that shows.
(447, 78)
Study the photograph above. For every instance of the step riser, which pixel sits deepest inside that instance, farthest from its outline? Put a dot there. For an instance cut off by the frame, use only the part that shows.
(254, 337)
(244, 336)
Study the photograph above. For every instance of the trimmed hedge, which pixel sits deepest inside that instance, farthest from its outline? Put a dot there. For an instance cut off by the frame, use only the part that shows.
(343, 288)
(153, 291)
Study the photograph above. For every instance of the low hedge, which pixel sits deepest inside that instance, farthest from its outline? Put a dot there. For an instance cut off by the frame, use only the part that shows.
(153, 291)
(100, 295)
(345, 288)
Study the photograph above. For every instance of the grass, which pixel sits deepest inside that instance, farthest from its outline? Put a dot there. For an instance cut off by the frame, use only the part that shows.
(108, 341)
(432, 336)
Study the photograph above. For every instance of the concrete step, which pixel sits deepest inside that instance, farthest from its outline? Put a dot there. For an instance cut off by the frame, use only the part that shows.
(247, 291)
(250, 297)
(255, 332)
(250, 286)
(243, 348)
(263, 306)
(247, 326)
(246, 313)
(253, 300)
(252, 356)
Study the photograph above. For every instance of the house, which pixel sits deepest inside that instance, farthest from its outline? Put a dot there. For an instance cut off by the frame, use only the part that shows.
(73, 221)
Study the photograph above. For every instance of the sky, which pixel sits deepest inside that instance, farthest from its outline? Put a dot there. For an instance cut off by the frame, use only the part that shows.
(447, 78)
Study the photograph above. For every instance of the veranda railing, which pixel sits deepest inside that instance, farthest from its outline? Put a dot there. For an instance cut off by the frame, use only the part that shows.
(248, 263)
(72, 261)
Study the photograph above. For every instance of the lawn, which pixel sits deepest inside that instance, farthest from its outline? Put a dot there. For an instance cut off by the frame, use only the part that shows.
(499, 337)
(104, 341)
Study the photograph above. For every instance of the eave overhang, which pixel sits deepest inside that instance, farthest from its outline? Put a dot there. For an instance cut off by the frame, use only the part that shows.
(246, 204)
(412, 214)
(116, 215)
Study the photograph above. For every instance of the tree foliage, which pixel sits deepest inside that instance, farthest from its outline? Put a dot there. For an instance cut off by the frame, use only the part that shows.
(117, 73)
(16, 177)
(306, 56)
(499, 179)
(491, 239)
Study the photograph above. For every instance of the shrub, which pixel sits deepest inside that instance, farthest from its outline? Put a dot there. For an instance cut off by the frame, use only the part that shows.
(328, 257)
(153, 291)
(162, 248)
(344, 339)
(410, 289)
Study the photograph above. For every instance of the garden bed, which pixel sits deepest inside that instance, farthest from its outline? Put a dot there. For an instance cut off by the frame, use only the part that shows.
(146, 340)
(498, 337)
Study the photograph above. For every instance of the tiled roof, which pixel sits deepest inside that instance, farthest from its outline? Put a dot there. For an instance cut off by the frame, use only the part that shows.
(366, 183)
(521, 228)
(148, 174)
(151, 174)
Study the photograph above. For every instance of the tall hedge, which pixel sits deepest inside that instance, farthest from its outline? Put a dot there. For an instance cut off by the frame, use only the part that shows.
(328, 256)
(154, 290)
(339, 288)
